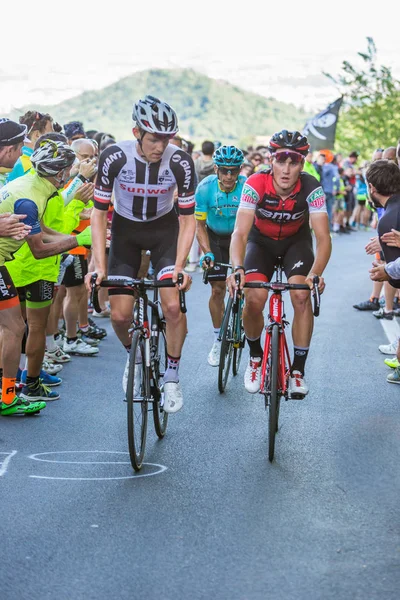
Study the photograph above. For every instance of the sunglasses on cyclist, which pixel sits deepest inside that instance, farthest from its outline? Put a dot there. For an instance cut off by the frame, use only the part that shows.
(295, 157)
(229, 170)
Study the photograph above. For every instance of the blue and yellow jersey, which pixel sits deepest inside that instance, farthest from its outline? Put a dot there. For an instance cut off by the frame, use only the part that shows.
(216, 207)
(23, 164)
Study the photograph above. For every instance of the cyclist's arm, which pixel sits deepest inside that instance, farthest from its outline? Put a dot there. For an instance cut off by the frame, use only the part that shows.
(99, 233)
(243, 224)
(187, 228)
(320, 225)
(202, 236)
(201, 212)
(244, 220)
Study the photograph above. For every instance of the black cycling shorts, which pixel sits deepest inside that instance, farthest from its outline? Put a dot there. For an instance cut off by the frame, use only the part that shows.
(8, 291)
(261, 254)
(37, 294)
(219, 245)
(129, 238)
(75, 273)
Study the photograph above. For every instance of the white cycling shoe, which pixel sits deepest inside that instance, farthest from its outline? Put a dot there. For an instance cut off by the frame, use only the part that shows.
(252, 376)
(213, 357)
(297, 386)
(173, 399)
(389, 348)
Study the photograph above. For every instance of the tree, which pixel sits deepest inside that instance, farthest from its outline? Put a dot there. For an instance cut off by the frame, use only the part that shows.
(369, 117)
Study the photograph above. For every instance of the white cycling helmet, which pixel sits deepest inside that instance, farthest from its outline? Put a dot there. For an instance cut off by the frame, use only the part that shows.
(155, 116)
(51, 157)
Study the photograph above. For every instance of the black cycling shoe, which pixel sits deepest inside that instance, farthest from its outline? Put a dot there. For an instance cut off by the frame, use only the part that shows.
(368, 305)
(96, 332)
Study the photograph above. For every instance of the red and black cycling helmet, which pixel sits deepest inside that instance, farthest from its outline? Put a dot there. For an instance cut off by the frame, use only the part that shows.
(292, 140)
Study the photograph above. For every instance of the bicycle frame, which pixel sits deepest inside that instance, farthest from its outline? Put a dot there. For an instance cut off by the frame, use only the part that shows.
(276, 317)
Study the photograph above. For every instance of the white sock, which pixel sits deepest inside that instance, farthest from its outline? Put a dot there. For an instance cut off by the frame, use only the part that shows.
(50, 343)
(23, 362)
(216, 333)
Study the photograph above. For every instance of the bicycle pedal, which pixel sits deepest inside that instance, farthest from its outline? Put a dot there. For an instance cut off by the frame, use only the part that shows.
(297, 396)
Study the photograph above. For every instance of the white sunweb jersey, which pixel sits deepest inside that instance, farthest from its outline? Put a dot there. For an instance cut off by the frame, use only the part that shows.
(144, 191)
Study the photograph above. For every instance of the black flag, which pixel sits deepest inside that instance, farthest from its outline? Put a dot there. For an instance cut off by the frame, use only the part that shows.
(321, 129)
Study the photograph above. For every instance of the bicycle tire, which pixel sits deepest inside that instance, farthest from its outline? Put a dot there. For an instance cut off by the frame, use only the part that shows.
(274, 400)
(226, 352)
(137, 410)
(237, 352)
(160, 417)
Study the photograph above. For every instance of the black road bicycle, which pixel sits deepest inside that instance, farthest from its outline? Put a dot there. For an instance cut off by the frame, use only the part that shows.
(148, 360)
(231, 334)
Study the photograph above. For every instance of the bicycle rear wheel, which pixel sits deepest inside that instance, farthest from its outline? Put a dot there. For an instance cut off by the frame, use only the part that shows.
(274, 400)
(239, 342)
(160, 365)
(226, 352)
(137, 407)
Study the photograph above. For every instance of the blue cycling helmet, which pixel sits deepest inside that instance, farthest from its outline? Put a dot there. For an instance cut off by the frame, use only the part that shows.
(228, 156)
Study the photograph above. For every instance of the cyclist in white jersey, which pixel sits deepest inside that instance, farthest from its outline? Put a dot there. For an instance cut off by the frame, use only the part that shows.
(142, 175)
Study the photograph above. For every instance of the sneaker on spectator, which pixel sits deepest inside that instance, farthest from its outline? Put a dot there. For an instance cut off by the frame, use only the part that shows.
(371, 304)
(389, 348)
(59, 339)
(105, 313)
(394, 376)
(51, 368)
(79, 348)
(45, 378)
(393, 363)
(383, 314)
(57, 356)
(97, 331)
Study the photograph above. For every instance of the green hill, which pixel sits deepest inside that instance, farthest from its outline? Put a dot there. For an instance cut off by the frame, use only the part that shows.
(206, 108)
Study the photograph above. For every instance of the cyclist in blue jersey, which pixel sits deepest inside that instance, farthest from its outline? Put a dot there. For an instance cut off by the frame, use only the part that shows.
(217, 201)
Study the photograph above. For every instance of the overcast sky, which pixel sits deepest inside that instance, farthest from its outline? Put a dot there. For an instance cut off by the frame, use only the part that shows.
(276, 48)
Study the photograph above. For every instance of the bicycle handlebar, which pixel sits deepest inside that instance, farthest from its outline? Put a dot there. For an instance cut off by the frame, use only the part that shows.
(207, 261)
(282, 287)
(146, 284)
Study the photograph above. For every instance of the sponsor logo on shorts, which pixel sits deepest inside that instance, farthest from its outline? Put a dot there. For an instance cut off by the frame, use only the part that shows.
(186, 201)
(3, 288)
(297, 265)
(165, 273)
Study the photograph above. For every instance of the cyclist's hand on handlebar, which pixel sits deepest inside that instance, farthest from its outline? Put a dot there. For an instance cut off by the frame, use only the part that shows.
(187, 280)
(310, 282)
(207, 260)
(232, 284)
(88, 278)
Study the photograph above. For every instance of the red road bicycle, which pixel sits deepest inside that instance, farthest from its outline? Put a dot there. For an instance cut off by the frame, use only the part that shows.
(276, 364)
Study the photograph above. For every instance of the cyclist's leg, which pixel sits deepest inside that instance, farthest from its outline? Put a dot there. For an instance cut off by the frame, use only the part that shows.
(124, 261)
(217, 276)
(298, 261)
(259, 266)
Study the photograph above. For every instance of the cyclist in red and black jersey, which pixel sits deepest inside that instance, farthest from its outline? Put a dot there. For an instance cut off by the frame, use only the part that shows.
(142, 175)
(273, 220)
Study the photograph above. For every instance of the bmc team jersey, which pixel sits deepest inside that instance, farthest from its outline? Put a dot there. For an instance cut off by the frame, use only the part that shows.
(277, 218)
(144, 191)
(216, 207)
(27, 195)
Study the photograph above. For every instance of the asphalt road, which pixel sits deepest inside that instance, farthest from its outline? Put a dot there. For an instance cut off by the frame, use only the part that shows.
(209, 517)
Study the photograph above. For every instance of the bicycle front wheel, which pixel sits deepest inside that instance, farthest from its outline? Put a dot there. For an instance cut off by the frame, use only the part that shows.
(137, 395)
(226, 352)
(274, 393)
(160, 365)
(239, 340)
